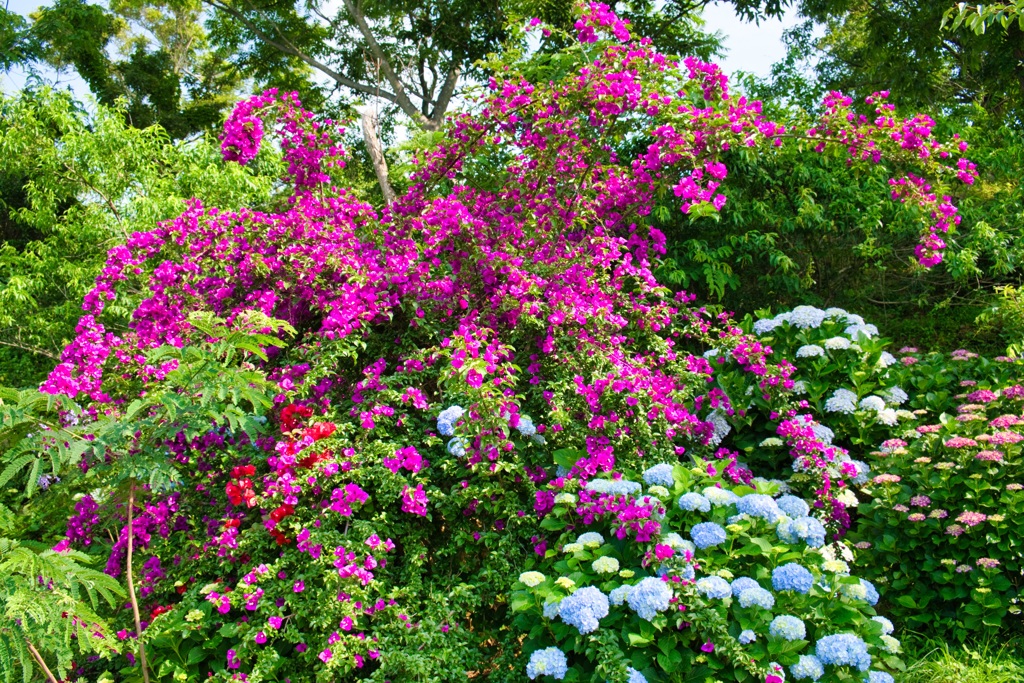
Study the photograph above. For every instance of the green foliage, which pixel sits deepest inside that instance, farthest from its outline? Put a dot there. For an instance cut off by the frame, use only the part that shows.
(49, 600)
(63, 206)
(987, 661)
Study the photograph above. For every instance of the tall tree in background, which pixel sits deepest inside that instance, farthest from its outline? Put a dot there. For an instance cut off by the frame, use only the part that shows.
(901, 45)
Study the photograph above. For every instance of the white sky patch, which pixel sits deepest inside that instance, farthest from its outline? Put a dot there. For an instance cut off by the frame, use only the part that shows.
(750, 47)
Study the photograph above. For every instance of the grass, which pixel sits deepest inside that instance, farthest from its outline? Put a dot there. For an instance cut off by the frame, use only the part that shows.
(985, 662)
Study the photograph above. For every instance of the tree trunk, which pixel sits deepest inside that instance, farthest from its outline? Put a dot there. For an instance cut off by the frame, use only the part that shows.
(131, 585)
(380, 166)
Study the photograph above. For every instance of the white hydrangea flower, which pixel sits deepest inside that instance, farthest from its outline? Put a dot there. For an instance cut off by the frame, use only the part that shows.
(895, 396)
(720, 426)
(810, 351)
(861, 331)
(841, 401)
(531, 579)
(834, 312)
(572, 548)
(887, 359)
(606, 565)
(848, 498)
(888, 417)
(875, 403)
(806, 317)
(799, 387)
(771, 442)
(905, 415)
(837, 343)
(854, 319)
(565, 499)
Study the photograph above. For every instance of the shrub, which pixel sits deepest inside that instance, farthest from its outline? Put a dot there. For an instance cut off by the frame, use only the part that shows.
(658, 582)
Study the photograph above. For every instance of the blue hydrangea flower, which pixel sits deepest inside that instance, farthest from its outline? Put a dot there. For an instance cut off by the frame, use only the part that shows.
(823, 434)
(677, 542)
(887, 627)
(618, 595)
(879, 677)
(746, 637)
(759, 505)
(805, 529)
(649, 597)
(863, 469)
(687, 572)
(694, 501)
(635, 676)
(843, 649)
(551, 610)
(447, 419)
(547, 662)
(720, 497)
(660, 475)
(526, 426)
(787, 627)
(624, 488)
(872, 592)
(756, 596)
(841, 401)
(584, 608)
(743, 583)
(809, 666)
(874, 403)
(793, 506)
(457, 447)
(714, 587)
(707, 534)
(792, 577)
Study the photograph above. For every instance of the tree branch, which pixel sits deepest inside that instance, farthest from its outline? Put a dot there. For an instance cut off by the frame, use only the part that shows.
(445, 98)
(401, 97)
(380, 166)
(289, 48)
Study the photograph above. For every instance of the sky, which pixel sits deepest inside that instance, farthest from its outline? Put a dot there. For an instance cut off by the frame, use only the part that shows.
(750, 47)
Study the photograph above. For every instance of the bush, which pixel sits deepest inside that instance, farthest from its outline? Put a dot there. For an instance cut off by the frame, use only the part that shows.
(656, 580)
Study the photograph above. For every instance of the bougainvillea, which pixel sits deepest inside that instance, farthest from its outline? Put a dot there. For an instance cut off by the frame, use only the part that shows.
(496, 328)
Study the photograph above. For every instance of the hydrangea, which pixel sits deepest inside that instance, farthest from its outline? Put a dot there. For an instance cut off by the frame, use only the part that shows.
(888, 417)
(886, 359)
(765, 325)
(875, 403)
(759, 505)
(841, 401)
(863, 470)
(809, 666)
(793, 506)
(895, 396)
(810, 351)
(694, 501)
(743, 583)
(843, 649)
(792, 577)
(746, 637)
(551, 610)
(572, 548)
(714, 587)
(835, 566)
(887, 626)
(756, 596)
(565, 499)
(584, 608)
(805, 317)
(635, 676)
(719, 496)
(677, 542)
(879, 677)
(649, 597)
(658, 491)
(891, 644)
(526, 426)
(857, 331)
(837, 343)
(823, 434)
(447, 419)
(659, 474)
(547, 662)
(531, 579)
(618, 595)
(707, 534)
(720, 427)
(620, 487)
(457, 447)
(805, 529)
(787, 627)
(590, 539)
(606, 565)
